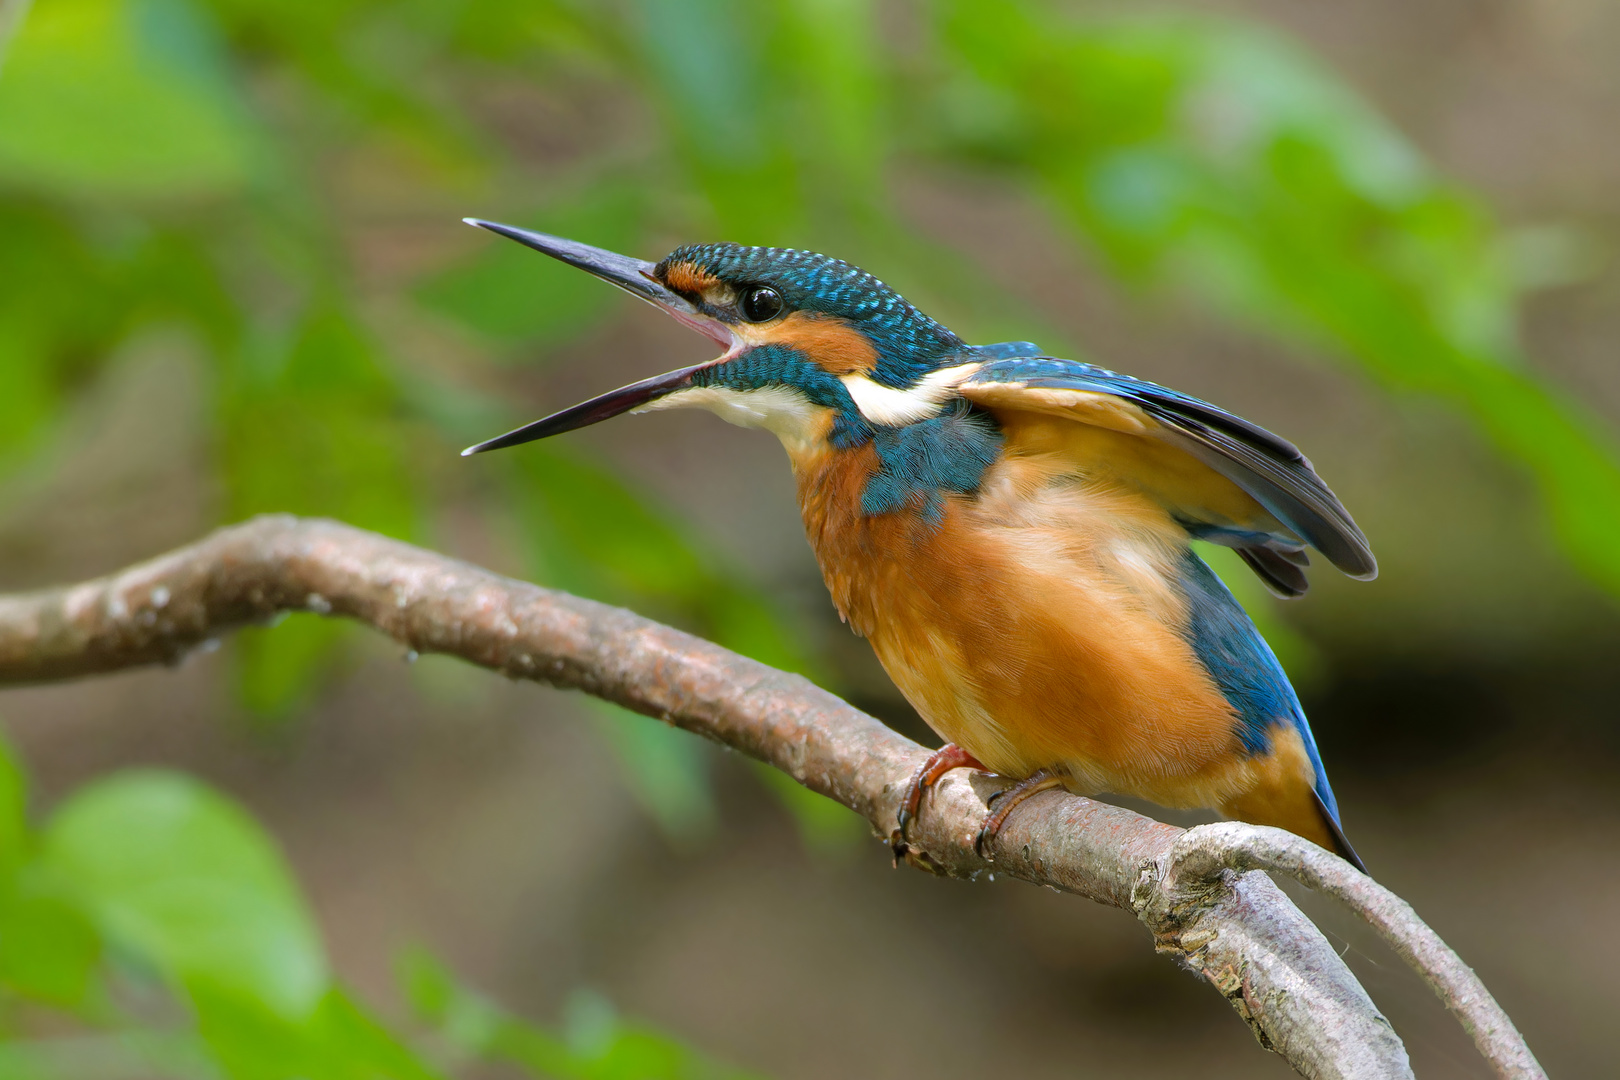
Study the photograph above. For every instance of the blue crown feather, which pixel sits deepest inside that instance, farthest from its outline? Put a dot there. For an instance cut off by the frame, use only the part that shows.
(909, 344)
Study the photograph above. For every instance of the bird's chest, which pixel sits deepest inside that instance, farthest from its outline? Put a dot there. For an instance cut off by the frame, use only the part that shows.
(931, 556)
(1032, 621)
(878, 541)
(878, 514)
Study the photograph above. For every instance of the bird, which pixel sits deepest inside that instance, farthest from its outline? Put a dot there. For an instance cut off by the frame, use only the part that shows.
(1012, 533)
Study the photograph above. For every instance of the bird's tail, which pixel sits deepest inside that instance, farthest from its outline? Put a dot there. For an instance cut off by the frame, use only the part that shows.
(1304, 815)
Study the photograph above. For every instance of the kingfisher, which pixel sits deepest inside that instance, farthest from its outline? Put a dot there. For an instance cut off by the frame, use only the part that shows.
(1011, 531)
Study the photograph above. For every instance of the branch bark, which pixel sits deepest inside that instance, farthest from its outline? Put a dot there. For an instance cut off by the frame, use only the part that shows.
(1200, 892)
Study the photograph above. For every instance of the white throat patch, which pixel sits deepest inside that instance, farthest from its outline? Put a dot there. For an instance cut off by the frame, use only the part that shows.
(799, 422)
(781, 410)
(886, 405)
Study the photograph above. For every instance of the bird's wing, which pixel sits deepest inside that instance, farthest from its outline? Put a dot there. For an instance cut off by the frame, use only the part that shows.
(1181, 449)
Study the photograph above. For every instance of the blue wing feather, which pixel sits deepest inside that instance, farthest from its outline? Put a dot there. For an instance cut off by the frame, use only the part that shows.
(1245, 669)
(1007, 350)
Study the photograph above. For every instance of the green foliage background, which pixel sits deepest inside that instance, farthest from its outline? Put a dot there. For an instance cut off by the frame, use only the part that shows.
(178, 166)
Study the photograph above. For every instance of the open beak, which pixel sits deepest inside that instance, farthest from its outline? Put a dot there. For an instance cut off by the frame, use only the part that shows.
(635, 277)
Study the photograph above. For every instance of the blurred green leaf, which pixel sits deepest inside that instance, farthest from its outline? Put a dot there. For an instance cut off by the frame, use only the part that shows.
(62, 307)
(704, 60)
(314, 428)
(595, 1045)
(1218, 157)
(516, 296)
(590, 534)
(829, 54)
(1576, 464)
(825, 826)
(746, 621)
(466, 1019)
(279, 668)
(125, 97)
(336, 1041)
(49, 952)
(120, 1055)
(28, 396)
(666, 772)
(182, 882)
(181, 877)
(13, 812)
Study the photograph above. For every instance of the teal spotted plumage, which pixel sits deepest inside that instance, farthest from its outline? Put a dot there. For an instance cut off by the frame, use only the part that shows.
(908, 342)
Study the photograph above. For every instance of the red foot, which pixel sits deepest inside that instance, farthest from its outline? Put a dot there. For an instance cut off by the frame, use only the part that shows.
(1005, 802)
(941, 761)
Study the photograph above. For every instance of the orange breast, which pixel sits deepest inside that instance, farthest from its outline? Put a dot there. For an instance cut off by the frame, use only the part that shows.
(1035, 625)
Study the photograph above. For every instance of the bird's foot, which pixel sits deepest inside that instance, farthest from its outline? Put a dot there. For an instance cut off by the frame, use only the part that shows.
(941, 761)
(1003, 803)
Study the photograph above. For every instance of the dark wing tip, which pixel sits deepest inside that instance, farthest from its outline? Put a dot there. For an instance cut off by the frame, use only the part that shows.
(1287, 486)
(1282, 575)
(1350, 553)
(1341, 845)
(1367, 574)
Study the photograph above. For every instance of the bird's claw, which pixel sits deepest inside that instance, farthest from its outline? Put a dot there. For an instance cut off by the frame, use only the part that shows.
(1009, 799)
(941, 761)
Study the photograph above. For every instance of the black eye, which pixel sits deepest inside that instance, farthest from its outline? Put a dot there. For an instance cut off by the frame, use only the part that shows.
(760, 304)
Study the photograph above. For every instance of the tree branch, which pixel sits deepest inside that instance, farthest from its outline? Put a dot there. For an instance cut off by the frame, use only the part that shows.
(1202, 854)
(1198, 891)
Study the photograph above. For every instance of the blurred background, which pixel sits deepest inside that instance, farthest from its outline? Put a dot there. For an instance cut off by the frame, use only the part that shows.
(233, 279)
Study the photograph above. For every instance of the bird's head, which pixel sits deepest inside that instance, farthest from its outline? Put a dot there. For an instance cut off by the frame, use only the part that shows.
(816, 350)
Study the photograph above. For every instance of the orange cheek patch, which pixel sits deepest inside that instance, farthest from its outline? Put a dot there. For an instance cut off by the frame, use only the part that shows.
(833, 344)
(686, 278)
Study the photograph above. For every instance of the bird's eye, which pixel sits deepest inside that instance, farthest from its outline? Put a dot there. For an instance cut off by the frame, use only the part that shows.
(760, 304)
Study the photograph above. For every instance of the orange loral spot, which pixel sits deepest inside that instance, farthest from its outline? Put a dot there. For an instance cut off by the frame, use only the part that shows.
(687, 278)
(833, 344)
